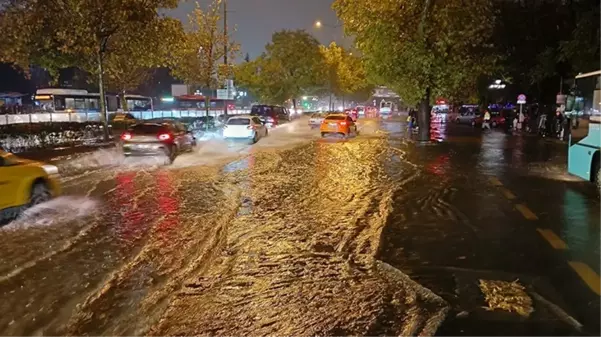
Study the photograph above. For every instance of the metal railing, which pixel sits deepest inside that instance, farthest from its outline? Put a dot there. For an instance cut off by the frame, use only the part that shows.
(82, 117)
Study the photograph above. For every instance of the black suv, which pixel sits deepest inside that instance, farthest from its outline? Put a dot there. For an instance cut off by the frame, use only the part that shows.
(271, 115)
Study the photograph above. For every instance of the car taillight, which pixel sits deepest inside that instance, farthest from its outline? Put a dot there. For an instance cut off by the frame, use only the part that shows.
(342, 123)
(126, 136)
(164, 136)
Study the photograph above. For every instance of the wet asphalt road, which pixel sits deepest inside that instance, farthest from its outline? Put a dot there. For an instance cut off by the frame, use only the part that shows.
(297, 235)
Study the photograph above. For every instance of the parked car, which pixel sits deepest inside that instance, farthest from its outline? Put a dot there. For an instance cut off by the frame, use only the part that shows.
(23, 184)
(466, 117)
(496, 119)
(249, 128)
(271, 115)
(167, 139)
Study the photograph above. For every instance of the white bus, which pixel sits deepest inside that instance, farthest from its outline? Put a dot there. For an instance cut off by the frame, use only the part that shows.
(71, 100)
(137, 103)
(77, 100)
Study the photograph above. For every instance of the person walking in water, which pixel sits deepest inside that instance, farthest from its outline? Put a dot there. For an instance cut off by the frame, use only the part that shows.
(486, 121)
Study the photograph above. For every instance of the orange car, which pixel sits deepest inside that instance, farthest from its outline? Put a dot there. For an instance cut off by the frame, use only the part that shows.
(340, 124)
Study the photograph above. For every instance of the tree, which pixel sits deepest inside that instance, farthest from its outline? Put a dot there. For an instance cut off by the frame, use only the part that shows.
(59, 33)
(290, 66)
(197, 58)
(135, 55)
(582, 48)
(422, 50)
(344, 73)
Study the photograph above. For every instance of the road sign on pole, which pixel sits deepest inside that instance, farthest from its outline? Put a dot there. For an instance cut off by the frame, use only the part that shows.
(222, 94)
(522, 99)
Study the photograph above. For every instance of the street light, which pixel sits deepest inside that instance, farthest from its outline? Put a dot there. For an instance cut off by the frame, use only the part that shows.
(497, 85)
(319, 24)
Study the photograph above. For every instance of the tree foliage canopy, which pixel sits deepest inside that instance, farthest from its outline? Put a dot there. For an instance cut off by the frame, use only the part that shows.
(415, 47)
(291, 65)
(197, 56)
(57, 34)
(344, 72)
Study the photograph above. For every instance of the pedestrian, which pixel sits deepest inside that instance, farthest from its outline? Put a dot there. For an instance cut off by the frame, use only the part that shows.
(521, 120)
(409, 122)
(486, 121)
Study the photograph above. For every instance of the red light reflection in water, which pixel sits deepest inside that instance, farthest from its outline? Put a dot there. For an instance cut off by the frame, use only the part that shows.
(168, 205)
(130, 218)
(439, 166)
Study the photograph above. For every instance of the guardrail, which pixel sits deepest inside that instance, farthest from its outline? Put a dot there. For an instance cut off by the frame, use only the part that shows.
(82, 117)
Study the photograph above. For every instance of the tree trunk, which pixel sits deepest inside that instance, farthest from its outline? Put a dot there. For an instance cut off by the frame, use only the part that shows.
(103, 112)
(330, 106)
(423, 118)
(124, 106)
(294, 105)
(207, 108)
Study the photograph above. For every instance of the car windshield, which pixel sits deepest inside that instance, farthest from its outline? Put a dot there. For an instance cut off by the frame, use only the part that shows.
(238, 121)
(147, 129)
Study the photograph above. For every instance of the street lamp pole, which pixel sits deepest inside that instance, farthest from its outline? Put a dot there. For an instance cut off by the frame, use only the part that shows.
(225, 42)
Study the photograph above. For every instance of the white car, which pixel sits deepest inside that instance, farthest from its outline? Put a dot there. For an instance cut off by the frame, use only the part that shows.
(316, 120)
(244, 127)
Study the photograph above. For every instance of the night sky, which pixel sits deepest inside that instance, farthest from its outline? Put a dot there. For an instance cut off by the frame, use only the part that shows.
(257, 20)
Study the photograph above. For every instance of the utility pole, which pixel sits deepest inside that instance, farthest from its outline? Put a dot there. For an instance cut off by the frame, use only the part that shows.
(227, 85)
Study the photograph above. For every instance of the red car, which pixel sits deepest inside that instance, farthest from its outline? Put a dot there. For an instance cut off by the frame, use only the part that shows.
(352, 113)
(496, 119)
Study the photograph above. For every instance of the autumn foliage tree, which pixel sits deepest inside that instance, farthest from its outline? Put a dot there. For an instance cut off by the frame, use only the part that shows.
(197, 57)
(291, 65)
(55, 34)
(422, 49)
(134, 56)
(343, 73)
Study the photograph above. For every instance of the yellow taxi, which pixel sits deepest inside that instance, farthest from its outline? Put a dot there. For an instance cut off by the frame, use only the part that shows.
(23, 184)
(340, 124)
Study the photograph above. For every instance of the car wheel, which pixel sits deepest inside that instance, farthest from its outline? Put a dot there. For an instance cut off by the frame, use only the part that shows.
(323, 134)
(39, 194)
(494, 124)
(171, 154)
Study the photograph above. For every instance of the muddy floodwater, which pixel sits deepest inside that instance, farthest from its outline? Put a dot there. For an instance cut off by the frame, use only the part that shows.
(294, 235)
(277, 238)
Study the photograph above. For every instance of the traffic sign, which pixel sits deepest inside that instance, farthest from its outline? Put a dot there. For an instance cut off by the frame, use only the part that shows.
(522, 99)
(222, 94)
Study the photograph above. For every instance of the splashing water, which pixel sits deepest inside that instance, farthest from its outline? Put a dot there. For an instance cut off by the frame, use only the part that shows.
(59, 210)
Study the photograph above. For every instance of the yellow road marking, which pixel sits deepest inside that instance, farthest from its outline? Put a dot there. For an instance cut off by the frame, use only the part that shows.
(588, 275)
(555, 241)
(526, 212)
(495, 182)
(507, 193)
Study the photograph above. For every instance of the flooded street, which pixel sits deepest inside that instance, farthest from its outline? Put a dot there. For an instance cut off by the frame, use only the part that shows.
(299, 235)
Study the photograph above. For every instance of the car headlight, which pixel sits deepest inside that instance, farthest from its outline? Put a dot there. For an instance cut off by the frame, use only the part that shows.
(50, 170)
